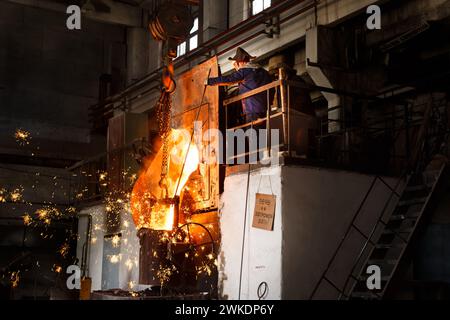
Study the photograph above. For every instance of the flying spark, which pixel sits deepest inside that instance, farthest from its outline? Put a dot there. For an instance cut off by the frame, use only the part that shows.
(115, 241)
(64, 250)
(27, 219)
(22, 137)
(16, 194)
(102, 176)
(2, 195)
(15, 279)
(129, 264)
(114, 258)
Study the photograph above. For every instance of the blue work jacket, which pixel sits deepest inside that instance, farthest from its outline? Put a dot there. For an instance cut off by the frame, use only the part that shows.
(249, 77)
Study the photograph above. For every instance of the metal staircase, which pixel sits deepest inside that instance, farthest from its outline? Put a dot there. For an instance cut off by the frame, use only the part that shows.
(388, 250)
(386, 243)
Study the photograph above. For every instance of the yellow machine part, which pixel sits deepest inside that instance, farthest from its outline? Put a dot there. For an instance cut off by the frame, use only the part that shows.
(85, 288)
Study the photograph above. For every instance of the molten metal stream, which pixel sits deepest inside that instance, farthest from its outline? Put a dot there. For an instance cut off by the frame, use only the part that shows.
(147, 211)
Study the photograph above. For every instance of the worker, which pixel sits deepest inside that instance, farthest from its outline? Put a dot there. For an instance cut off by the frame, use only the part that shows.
(299, 98)
(248, 76)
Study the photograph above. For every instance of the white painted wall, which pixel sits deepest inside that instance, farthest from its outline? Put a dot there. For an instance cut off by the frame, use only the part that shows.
(129, 249)
(313, 210)
(318, 206)
(129, 262)
(96, 246)
(214, 18)
(262, 252)
(237, 11)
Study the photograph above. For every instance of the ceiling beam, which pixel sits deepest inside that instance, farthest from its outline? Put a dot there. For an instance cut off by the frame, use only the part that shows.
(121, 14)
(189, 2)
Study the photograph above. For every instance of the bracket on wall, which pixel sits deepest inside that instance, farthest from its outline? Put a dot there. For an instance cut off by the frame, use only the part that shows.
(125, 105)
(272, 26)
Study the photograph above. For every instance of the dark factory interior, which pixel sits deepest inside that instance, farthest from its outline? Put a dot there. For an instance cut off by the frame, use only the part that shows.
(224, 150)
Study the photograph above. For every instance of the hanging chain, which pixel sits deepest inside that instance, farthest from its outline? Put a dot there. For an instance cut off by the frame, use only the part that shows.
(164, 117)
(164, 112)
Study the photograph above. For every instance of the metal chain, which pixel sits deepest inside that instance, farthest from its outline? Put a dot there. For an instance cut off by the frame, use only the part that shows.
(164, 110)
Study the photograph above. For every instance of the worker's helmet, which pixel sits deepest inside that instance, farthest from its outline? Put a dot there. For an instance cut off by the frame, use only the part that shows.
(241, 56)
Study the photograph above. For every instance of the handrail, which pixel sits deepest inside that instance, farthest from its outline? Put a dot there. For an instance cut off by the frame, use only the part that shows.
(413, 167)
(285, 107)
(413, 163)
(253, 92)
(366, 196)
(285, 113)
(368, 238)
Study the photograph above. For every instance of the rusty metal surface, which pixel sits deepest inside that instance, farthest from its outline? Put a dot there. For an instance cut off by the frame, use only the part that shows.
(185, 107)
(148, 263)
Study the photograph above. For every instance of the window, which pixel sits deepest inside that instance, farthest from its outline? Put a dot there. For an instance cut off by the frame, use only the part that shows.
(259, 5)
(191, 43)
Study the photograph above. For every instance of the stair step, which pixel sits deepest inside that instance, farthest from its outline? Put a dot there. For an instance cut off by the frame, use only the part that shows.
(400, 217)
(407, 230)
(364, 278)
(379, 262)
(389, 245)
(419, 187)
(434, 172)
(412, 202)
(364, 295)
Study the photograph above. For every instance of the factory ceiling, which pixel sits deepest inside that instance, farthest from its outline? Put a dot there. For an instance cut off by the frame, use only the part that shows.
(123, 12)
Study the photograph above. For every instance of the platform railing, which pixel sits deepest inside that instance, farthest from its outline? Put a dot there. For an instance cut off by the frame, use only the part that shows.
(283, 88)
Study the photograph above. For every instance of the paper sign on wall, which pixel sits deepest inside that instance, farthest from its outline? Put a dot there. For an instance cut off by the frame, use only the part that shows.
(264, 211)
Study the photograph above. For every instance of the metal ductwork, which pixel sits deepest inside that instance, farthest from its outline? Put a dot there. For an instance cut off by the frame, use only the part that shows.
(319, 50)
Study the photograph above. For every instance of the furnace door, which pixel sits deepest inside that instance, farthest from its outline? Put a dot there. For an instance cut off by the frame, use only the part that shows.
(194, 104)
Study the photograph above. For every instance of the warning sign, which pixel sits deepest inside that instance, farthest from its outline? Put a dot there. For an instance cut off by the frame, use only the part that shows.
(264, 211)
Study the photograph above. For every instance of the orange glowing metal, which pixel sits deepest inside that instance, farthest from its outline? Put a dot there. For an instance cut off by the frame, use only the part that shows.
(147, 211)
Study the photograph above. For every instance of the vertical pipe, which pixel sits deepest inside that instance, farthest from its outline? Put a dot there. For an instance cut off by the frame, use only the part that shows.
(85, 254)
(268, 135)
(289, 119)
(225, 142)
(281, 75)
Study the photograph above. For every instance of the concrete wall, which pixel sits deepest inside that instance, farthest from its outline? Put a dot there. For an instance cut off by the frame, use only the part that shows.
(143, 54)
(214, 18)
(50, 75)
(313, 210)
(237, 11)
(262, 259)
(38, 185)
(127, 267)
(318, 206)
